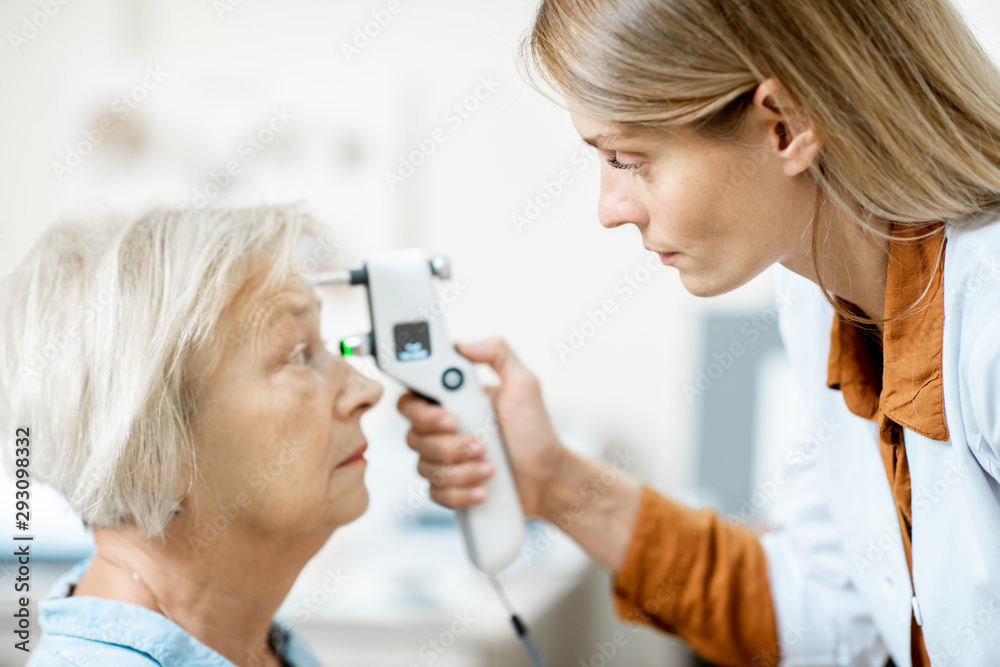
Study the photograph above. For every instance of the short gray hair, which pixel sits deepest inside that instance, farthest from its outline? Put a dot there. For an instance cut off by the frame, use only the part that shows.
(107, 328)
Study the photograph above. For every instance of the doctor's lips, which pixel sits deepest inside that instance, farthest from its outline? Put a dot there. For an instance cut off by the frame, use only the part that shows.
(665, 257)
(356, 457)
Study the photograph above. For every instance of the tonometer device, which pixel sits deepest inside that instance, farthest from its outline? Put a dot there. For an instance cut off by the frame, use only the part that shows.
(409, 343)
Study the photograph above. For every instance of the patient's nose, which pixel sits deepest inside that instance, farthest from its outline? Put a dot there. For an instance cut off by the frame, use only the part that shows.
(360, 394)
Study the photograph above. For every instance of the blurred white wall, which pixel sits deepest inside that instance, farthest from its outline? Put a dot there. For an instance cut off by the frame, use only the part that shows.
(531, 285)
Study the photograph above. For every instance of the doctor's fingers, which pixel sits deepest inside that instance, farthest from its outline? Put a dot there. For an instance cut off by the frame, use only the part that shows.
(457, 476)
(445, 447)
(424, 416)
(457, 498)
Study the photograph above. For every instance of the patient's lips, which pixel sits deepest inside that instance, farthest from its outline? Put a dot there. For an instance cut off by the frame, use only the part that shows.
(357, 457)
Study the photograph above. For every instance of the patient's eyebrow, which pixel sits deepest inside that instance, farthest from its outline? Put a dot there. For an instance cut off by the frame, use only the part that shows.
(276, 308)
(302, 309)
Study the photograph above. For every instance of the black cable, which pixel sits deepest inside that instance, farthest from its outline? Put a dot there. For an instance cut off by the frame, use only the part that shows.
(519, 626)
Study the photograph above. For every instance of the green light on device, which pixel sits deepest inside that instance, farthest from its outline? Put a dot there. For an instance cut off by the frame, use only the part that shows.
(356, 345)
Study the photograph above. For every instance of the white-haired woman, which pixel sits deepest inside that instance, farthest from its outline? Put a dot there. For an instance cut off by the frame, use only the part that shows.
(857, 144)
(171, 372)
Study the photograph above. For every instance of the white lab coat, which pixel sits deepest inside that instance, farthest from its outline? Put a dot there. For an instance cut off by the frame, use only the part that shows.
(836, 563)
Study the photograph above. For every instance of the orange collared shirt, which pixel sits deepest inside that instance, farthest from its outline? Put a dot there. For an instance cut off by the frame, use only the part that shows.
(895, 379)
(691, 573)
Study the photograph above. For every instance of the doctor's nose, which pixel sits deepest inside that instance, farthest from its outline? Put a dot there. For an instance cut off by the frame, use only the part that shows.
(617, 207)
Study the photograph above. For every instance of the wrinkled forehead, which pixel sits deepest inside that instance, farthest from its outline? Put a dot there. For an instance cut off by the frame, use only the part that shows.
(258, 309)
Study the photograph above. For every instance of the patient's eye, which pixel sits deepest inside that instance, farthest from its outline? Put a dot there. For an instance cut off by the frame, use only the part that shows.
(300, 355)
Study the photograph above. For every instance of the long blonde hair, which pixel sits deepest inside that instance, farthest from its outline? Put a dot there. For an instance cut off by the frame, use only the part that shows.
(905, 99)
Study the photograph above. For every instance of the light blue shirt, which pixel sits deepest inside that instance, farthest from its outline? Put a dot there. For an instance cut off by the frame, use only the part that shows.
(84, 631)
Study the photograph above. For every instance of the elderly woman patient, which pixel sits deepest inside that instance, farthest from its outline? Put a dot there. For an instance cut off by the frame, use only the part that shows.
(179, 396)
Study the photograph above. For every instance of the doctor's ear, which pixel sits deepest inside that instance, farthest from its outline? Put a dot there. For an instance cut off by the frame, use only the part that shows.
(793, 135)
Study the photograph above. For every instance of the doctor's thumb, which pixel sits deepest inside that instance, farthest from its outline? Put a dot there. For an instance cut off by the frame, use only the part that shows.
(496, 353)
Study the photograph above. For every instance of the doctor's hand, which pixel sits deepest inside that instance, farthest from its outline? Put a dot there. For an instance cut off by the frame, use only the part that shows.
(452, 462)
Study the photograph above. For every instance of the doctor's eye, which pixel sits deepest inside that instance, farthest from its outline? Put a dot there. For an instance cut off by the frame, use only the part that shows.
(630, 166)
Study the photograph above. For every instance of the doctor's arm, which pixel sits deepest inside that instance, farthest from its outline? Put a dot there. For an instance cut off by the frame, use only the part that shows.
(684, 571)
(736, 596)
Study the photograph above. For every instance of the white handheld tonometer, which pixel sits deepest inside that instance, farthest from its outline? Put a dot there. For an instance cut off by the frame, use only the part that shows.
(409, 343)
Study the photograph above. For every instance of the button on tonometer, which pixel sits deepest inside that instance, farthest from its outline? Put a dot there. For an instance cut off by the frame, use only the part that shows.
(452, 379)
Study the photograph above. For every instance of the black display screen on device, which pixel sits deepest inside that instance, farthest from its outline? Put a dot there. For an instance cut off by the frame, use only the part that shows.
(413, 341)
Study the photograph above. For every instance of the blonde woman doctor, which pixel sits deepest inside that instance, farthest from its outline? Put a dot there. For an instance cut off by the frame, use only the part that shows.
(857, 144)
